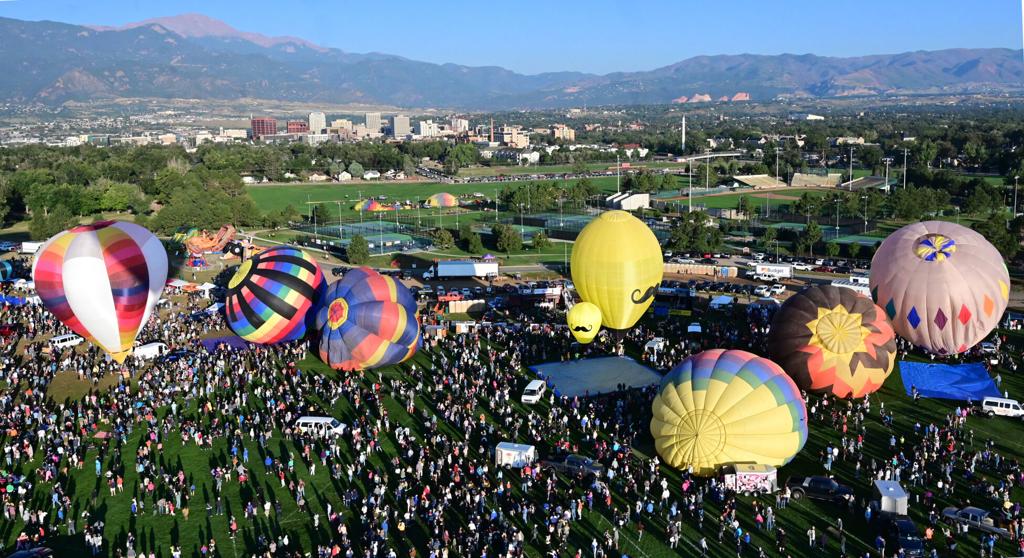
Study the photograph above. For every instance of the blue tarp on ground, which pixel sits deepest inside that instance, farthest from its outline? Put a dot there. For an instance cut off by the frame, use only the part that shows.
(949, 381)
(234, 342)
(595, 375)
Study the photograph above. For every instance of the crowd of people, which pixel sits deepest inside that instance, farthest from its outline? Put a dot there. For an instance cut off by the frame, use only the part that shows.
(200, 449)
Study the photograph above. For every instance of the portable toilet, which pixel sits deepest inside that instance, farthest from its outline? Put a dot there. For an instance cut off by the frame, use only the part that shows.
(891, 497)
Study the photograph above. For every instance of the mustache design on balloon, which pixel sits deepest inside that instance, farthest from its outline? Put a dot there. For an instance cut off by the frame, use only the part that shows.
(647, 295)
(584, 329)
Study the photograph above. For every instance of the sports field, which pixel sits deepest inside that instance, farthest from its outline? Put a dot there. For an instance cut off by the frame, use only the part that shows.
(274, 197)
(773, 198)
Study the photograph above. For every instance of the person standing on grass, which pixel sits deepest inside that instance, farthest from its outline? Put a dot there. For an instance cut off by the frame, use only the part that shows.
(812, 537)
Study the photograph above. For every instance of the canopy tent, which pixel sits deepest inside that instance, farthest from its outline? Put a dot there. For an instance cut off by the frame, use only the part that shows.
(721, 301)
(965, 382)
(233, 341)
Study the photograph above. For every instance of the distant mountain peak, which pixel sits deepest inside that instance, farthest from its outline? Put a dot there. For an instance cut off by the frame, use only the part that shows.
(195, 25)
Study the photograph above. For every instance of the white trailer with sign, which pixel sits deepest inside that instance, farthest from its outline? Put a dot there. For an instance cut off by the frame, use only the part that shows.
(778, 270)
(750, 478)
(509, 454)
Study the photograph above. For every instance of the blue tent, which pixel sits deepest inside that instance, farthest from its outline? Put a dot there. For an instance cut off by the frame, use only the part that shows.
(949, 381)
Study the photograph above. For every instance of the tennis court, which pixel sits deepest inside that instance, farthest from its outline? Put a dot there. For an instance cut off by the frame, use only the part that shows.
(859, 239)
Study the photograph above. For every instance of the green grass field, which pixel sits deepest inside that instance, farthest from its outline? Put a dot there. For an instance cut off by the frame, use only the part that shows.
(497, 170)
(157, 533)
(759, 198)
(273, 197)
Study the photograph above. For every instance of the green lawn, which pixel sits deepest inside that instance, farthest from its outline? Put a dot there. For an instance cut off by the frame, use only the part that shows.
(273, 197)
(158, 532)
(757, 198)
(497, 170)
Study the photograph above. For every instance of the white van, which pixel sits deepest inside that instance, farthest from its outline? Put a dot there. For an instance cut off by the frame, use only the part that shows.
(993, 406)
(320, 426)
(533, 392)
(150, 351)
(65, 341)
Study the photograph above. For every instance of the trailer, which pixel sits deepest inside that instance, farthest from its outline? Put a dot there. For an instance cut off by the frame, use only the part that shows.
(508, 454)
(461, 268)
(853, 286)
(30, 247)
(750, 478)
(777, 270)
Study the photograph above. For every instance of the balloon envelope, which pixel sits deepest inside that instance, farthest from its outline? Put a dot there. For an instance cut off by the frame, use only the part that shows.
(584, 321)
(833, 339)
(721, 407)
(943, 286)
(102, 281)
(271, 296)
(617, 265)
(6, 270)
(367, 320)
(442, 199)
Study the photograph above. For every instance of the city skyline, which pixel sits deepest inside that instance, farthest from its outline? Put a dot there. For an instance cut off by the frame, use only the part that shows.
(661, 34)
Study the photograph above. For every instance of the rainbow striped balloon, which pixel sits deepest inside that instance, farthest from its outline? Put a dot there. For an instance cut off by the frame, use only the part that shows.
(367, 320)
(721, 407)
(102, 281)
(271, 295)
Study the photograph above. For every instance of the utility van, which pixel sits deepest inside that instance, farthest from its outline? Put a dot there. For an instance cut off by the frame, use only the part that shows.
(534, 391)
(320, 427)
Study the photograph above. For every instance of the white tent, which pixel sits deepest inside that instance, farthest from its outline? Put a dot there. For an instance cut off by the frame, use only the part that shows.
(721, 301)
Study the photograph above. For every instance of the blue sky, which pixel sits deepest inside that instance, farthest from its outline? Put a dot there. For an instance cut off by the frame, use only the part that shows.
(595, 36)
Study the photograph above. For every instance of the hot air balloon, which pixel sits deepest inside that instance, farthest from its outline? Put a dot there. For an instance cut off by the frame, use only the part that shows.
(102, 281)
(442, 199)
(6, 270)
(835, 340)
(271, 296)
(943, 286)
(367, 320)
(721, 407)
(617, 265)
(584, 321)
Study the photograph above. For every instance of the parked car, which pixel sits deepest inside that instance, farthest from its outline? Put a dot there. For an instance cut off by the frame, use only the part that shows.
(818, 488)
(776, 290)
(762, 290)
(533, 392)
(992, 406)
(574, 464)
(973, 517)
(900, 533)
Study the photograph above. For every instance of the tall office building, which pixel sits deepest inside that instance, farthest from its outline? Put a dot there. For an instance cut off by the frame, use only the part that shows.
(262, 127)
(373, 122)
(298, 127)
(400, 126)
(317, 122)
(427, 128)
(459, 125)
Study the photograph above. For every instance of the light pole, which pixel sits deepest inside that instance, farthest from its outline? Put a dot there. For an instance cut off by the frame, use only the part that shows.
(341, 230)
(689, 182)
(839, 199)
(380, 230)
(865, 198)
(707, 165)
(1015, 179)
(887, 161)
(851, 168)
(777, 151)
(617, 174)
(495, 205)
(904, 168)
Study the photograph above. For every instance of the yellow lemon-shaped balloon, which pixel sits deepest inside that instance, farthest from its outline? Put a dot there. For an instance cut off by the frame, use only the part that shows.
(584, 321)
(617, 266)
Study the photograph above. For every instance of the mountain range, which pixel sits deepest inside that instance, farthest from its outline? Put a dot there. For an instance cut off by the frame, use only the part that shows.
(197, 57)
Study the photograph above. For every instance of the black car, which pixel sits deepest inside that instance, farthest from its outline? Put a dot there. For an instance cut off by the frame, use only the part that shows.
(900, 533)
(707, 261)
(575, 465)
(175, 355)
(338, 271)
(818, 488)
